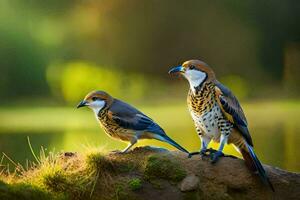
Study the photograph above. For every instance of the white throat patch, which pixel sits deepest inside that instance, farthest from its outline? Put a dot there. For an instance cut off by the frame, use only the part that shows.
(195, 78)
(96, 106)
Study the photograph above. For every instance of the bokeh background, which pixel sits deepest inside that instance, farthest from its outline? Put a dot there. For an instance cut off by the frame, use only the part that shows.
(54, 52)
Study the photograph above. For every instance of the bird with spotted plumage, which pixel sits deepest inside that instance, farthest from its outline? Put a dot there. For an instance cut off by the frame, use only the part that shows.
(124, 122)
(217, 115)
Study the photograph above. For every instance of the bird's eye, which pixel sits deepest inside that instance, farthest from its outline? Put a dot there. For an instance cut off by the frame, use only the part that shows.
(94, 98)
(192, 67)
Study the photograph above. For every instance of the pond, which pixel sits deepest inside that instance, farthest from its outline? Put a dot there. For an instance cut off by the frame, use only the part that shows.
(275, 130)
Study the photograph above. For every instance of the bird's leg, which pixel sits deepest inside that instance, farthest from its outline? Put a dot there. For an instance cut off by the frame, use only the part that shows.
(132, 142)
(215, 156)
(204, 141)
(127, 148)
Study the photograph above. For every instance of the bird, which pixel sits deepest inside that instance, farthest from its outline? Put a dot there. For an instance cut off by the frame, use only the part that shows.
(218, 115)
(123, 122)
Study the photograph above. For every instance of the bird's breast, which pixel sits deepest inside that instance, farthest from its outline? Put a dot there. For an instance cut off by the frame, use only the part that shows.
(204, 109)
(207, 121)
(112, 129)
(202, 99)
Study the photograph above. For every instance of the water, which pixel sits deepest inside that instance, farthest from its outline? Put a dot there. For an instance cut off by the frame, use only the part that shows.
(275, 145)
(275, 140)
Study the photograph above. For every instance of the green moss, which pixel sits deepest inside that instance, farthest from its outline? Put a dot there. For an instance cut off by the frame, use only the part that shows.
(125, 167)
(135, 184)
(156, 184)
(24, 192)
(122, 193)
(98, 161)
(62, 183)
(56, 182)
(162, 166)
(109, 163)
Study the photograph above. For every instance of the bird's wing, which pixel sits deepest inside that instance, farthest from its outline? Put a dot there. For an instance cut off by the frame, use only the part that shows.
(129, 117)
(232, 110)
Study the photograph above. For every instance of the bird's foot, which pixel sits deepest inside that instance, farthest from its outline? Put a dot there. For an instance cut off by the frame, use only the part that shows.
(211, 151)
(215, 156)
(117, 152)
(193, 153)
(208, 152)
(202, 152)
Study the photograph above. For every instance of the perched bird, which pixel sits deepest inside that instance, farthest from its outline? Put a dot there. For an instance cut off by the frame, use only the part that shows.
(217, 115)
(124, 122)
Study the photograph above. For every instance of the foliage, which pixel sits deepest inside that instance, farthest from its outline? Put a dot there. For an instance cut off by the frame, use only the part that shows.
(75, 79)
(132, 38)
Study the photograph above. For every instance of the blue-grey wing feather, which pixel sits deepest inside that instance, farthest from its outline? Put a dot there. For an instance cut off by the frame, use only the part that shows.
(232, 106)
(129, 117)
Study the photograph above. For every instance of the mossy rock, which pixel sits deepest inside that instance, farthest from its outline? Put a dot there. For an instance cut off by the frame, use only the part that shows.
(109, 163)
(24, 192)
(165, 167)
(56, 181)
(65, 184)
(99, 162)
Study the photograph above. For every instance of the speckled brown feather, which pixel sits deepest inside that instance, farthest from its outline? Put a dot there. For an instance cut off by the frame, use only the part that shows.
(202, 99)
(112, 128)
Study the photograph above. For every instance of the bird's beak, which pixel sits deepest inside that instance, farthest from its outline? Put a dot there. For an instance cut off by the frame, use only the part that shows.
(82, 104)
(177, 69)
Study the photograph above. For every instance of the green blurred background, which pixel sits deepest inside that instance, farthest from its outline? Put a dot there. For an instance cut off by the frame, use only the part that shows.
(54, 52)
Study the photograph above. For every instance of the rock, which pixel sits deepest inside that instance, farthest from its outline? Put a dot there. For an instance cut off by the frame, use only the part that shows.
(159, 172)
(189, 183)
(229, 178)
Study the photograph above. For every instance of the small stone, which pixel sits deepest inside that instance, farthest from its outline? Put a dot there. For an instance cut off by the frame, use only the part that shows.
(189, 183)
(69, 154)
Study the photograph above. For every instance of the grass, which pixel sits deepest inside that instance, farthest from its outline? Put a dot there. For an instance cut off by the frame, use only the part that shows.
(92, 175)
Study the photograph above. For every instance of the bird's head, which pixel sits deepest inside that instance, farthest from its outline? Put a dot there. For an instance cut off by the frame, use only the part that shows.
(96, 100)
(195, 71)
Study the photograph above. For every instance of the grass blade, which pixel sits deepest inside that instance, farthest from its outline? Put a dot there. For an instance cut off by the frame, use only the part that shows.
(31, 149)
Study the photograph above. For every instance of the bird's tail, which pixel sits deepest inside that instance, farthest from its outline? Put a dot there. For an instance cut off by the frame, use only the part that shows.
(254, 164)
(160, 134)
(167, 139)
